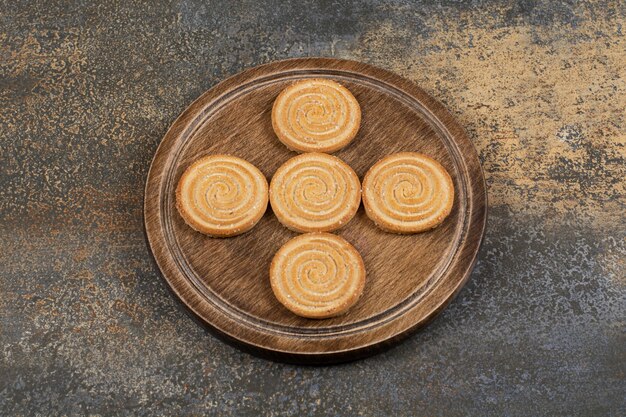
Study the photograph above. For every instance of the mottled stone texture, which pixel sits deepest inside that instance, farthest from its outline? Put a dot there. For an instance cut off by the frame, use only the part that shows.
(87, 90)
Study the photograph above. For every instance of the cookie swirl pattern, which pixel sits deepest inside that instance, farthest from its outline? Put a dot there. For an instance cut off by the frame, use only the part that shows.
(315, 192)
(222, 195)
(317, 275)
(316, 115)
(407, 192)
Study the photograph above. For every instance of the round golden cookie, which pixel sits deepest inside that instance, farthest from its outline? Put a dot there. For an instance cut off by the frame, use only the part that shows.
(316, 115)
(315, 192)
(222, 195)
(317, 275)
(407, 193)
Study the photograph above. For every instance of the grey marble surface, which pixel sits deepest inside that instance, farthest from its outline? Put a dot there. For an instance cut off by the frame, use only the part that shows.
(87, 90)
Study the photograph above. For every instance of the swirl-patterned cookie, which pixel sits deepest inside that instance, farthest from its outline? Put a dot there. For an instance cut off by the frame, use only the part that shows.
(407, 193)
(315, 192)
(317, 275)
(316, 115)
(222, 195)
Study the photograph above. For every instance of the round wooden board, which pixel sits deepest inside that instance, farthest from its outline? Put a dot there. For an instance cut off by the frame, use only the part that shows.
(225, 282)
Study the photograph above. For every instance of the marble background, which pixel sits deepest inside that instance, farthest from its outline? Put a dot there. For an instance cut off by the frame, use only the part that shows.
(88, 89)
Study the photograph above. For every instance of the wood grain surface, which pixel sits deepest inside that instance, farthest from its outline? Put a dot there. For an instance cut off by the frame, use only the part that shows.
(225, 281)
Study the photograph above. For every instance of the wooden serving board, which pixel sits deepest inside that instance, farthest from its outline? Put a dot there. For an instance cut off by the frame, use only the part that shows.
(225, 282)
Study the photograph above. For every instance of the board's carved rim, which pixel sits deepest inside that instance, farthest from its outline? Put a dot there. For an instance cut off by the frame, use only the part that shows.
(169, 185)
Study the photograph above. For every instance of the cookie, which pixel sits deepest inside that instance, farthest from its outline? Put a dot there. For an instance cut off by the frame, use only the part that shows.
(316, 115)
(317, 275)
(407, 193)
(222, 195)
(315, 192)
